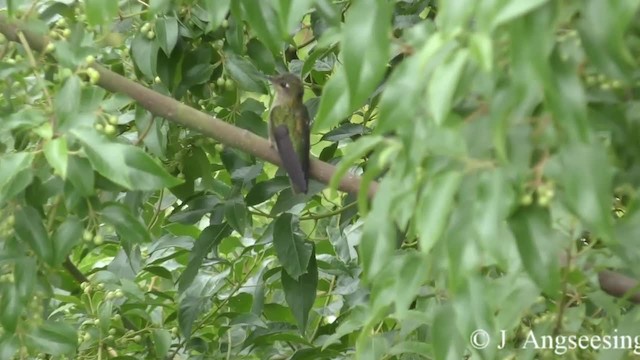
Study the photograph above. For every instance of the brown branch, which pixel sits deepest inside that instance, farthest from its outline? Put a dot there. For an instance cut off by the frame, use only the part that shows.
(175, 111)
(74, 271)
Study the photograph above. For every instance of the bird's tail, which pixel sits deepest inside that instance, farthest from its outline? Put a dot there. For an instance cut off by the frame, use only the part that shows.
(290, 159)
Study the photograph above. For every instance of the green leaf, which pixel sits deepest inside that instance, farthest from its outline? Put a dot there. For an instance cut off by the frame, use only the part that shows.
(125, 165)
(30, 230)
(56, 153)
(411, 347)
(365, 52)
(159, 6)
(334, 103)
(9, 344)
(260, 16)
(208, 240)
(413, 274)
(493, 200)
(80, 174)
(15, 295)
(67, 101)
(54, 337)
(371, 347)
(538, 246)
(345, 131)
(190, 309)
(244, 73)
(444, 339)
(434, 207)
(67, 235)
(482, 50)
(300, 293)
(264, 190)
(237, 215)
(167, 34)
(603, 29)
(354, 152)
(586, 176)
(195, 209)
(100, 12)
(195, 67)
(402, 91)
(130, 229)
(365, 47)
(162, 342)
(290, 12)
(261, 56)
(24, 118)
(378, 237)
(156, 135)
(293, 252)
(217, 11)
(105, 312)
(510, 10)
(443, 84)
(144, 53)
(14, 166)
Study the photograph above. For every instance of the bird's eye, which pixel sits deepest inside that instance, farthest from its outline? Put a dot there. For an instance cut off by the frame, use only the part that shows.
(284, 84)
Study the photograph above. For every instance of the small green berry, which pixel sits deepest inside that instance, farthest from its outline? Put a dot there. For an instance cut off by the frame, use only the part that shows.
(98, 239)
(109, 129)
(65, 73)
(526, 199)
(94, 75)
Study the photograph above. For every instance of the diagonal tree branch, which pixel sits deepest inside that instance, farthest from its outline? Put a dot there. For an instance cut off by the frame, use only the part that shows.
(171, 109)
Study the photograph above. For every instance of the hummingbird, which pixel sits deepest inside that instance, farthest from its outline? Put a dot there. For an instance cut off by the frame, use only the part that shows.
(289, 129)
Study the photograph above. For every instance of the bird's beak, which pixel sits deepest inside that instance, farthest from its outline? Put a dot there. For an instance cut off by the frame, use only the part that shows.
(272, 79)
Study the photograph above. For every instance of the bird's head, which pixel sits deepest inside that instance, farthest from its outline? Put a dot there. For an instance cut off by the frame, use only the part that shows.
(288, 86)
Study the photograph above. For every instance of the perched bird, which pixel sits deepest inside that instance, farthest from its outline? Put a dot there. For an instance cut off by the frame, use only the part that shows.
(289, 129)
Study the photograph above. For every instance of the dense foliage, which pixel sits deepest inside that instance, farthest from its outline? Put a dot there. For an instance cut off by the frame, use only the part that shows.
(496, 141)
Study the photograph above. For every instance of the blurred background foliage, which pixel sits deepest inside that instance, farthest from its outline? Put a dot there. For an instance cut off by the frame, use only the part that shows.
(503, 135)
